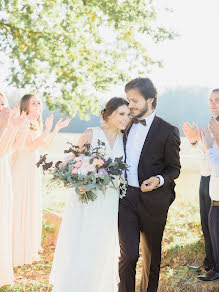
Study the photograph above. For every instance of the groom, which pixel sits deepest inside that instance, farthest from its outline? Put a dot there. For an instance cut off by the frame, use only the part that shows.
(152, 153)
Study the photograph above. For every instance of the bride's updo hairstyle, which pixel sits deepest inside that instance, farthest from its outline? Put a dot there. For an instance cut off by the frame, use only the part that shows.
(111, 106)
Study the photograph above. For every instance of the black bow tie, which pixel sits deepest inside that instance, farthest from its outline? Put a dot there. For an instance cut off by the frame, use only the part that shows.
(137, 121)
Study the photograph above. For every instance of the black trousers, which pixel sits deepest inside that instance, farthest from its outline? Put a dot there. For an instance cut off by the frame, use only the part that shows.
(214, 232)
(133, 221)
(205, 204)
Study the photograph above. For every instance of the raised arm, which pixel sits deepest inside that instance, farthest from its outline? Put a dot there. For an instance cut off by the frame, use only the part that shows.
(33, 144)
(213, 161)
(191, 133)
(59, 125)
(7, 140)
(4, 118)
(207, 141)
(2, 132)
(13, 123)
(22, 133)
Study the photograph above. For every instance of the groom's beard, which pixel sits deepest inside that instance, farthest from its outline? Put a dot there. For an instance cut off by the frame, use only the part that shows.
(143, 112)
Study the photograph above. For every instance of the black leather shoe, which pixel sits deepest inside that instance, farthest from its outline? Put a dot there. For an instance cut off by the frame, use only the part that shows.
(198, 269)
(209, 276)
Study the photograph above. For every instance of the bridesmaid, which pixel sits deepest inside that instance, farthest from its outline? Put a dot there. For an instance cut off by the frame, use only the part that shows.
(27, 210)
(10, 122)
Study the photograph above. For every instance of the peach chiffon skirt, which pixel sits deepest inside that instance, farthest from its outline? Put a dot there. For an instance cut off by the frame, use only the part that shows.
(6, 200)
(27, 210)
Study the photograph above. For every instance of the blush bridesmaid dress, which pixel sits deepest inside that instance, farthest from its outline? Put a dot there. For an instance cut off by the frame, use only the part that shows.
(27, 210)
(6, 201)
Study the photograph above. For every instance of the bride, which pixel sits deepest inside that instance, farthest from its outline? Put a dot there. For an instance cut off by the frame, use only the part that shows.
(86, 255)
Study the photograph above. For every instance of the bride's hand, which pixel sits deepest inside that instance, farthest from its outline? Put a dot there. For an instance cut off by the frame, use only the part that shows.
(83, 191)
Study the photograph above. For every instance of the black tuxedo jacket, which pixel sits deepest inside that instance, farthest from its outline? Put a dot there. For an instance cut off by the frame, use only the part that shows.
(159, 156)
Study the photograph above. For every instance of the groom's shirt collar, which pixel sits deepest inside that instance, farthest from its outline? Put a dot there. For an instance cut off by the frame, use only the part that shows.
(149, 119)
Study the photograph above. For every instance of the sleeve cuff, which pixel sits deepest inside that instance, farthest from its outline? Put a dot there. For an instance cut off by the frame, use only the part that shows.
(161, 180)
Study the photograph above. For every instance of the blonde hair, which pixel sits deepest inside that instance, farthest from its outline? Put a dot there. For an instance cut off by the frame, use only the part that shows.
(4, 99)
(24, 104)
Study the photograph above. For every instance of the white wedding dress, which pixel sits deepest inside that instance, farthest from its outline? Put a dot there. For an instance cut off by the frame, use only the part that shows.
(87, 251)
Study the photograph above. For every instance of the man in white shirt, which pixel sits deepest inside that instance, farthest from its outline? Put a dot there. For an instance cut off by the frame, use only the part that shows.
(191, 134)
(212, 156)
(152, 154)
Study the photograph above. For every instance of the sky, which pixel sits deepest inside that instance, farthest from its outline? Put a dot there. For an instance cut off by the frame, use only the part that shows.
(190, 60)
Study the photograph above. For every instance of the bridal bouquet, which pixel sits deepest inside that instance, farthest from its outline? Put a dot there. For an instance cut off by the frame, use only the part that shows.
(88, 169)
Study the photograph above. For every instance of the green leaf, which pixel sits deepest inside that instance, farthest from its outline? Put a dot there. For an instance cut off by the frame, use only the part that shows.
(72, 52)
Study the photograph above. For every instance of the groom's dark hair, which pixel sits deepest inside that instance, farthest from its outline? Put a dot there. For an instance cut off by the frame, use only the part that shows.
(215, 90)
(145, 87)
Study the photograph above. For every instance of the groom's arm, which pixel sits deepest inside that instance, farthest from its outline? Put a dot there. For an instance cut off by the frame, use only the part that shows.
(171, 157)
(172, 164)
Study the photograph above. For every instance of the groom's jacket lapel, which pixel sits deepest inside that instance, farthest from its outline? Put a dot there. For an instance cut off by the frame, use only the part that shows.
(151, 136)
(125, 136)
(154, 129)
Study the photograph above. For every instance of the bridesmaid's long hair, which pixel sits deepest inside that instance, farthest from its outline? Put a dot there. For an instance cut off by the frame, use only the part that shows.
(24, 104)
(4, 99)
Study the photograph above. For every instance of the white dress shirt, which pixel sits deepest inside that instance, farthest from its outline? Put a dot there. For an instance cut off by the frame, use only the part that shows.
(204, 166)
(136, 138)
(212, 156)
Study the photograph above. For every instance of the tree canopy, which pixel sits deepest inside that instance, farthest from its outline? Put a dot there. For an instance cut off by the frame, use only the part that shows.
(72, 49)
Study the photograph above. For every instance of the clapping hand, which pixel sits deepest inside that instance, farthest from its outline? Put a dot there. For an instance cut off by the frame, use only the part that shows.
(15, 112)
(214, 128)
(20, 121)
(4, 117)
(206, 139)
(16, 119)
(83, 191)
(62, 124)
(49, 123)
(191, 132)
(150, 184)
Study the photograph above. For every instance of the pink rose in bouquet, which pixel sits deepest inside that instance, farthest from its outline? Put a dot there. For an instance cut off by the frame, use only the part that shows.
(98, 162)
(74, 171)
(78, 164)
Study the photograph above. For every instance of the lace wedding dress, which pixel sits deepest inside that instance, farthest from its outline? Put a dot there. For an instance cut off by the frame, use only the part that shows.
(86, 255)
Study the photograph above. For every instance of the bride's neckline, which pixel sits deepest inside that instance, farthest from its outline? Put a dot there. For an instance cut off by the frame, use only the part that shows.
(111, 146)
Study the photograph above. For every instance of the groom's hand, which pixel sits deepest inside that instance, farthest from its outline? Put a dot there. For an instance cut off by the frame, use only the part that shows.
(150, 184)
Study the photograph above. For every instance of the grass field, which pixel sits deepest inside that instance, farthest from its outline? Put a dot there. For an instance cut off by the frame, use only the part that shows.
(182, 243)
